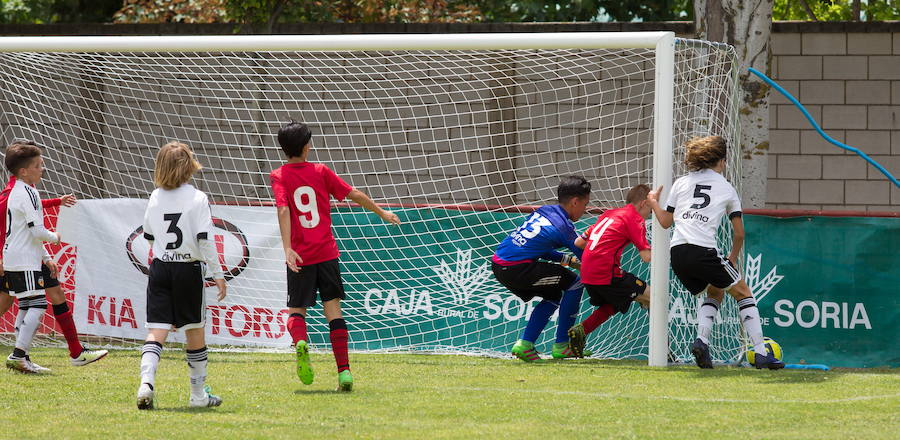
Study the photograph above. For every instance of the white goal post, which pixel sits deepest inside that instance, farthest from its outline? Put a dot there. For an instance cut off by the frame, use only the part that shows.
(607, 118)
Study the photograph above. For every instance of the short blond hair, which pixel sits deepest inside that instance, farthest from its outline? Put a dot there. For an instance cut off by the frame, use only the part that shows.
(175, 164)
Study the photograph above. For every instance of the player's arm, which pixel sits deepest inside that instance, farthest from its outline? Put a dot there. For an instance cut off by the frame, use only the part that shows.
(663, 216)
(208, 247)
(283, 211)
(66, 200)
(34, 221)
(363, 200)
(737, 239)
(637, 234)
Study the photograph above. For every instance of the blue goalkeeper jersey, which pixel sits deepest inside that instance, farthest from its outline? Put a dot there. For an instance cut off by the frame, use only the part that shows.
(546, 229)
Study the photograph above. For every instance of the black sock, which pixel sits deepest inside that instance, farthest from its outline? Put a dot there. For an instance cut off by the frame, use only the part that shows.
(59, 309)
(18, 353)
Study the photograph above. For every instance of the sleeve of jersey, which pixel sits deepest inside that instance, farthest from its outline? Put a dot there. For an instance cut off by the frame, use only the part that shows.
(35, 221)
(281, 196)
(734, 206)
(569, 241)
(638, 232)
(148, 230)
(673, 197)
(336, 186)
(204, 239)
(50, 203)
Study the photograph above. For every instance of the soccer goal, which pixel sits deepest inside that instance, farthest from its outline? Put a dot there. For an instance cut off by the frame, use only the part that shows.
(461, 134)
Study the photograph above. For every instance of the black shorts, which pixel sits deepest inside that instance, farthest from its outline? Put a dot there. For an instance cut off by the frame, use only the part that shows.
(28, 283)
(175, 295)
(698, 267)
(538, 278)
(619, 293)
(324, 277)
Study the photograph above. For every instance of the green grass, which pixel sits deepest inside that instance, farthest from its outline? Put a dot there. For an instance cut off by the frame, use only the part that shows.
(435, 397)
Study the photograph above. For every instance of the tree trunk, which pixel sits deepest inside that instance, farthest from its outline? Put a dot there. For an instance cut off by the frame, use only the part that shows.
(747, 26)
(856, 10)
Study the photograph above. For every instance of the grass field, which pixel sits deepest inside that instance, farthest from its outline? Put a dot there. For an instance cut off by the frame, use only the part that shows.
(435, 397)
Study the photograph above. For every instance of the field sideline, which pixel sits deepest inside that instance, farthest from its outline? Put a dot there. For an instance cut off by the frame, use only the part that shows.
(416, 396)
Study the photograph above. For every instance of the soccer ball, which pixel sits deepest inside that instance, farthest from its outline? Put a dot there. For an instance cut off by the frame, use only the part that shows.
(771, 346)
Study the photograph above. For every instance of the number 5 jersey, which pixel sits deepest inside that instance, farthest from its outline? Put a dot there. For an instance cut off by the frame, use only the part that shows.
(698, 201)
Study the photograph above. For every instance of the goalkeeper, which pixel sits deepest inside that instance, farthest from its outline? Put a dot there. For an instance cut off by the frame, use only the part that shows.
(516, 265)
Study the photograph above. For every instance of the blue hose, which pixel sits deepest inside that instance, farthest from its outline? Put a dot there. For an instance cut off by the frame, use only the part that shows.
(819, 129)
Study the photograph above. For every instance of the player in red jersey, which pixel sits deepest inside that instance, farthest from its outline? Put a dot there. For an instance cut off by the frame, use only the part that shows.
(61, 312)
(302, 192)
(610, 288)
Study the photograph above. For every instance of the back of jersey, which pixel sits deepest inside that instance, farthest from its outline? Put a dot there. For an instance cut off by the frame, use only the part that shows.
(698, 201)
(175, 221)
(306, 188)
(23, 251)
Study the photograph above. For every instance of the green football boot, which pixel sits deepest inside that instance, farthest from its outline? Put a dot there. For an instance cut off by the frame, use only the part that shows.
(525, 351)
(561, 350)
(345, 381)
(304, 369)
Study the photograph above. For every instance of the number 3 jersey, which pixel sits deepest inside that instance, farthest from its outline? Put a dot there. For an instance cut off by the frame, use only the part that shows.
(24, 248)
(545, 230)
(606, 240)
(698, 201)
(178, 224)
(306, 188)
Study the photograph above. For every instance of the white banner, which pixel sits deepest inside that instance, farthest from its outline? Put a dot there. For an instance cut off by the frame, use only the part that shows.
(112, 257)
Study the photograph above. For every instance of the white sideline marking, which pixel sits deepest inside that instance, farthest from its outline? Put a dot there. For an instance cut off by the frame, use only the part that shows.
(679, 399)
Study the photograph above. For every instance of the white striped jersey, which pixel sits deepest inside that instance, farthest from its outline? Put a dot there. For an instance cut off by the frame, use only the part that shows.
(25, 231)
(698, 201)
(178, 223)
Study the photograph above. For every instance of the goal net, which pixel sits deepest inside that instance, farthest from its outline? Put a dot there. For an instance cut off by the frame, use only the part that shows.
(461, 143)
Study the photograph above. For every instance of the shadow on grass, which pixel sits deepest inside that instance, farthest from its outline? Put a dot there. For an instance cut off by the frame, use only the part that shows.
(301, 392)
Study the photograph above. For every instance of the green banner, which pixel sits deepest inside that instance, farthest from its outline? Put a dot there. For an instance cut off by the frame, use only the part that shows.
(826, 289)
(837, 303)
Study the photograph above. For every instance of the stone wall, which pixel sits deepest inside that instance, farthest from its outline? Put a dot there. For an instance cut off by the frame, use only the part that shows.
(849, 80)
(847, 74)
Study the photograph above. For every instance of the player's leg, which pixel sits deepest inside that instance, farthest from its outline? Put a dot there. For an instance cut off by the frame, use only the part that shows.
(569, 306)
(160, 319)
(301, 295)
(609, 299)
(752, 323)
(31, 310)
(695, 267)
(151, 352)
(197, 360)
(6, 301)
(331, 288)
(63, 314)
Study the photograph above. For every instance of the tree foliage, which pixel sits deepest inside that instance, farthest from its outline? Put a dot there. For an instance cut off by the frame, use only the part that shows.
(835, 10)
(57, 11)
(172, 11)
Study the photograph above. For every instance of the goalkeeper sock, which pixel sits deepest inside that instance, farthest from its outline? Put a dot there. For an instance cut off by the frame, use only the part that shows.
(706, 316)
(197, 360)
(63, 316)
(752, 324)
(150, 353)
(568, 310)
(540, 316)
(339, 338)
(598, 316)
(297, 328)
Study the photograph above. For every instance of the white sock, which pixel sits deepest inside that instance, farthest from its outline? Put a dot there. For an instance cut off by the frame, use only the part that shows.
(30, 320)
(197, 360)
(706, 316)
(150, 354)
(752, 324)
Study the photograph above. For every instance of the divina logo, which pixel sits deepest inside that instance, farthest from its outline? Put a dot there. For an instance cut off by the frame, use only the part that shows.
(231, 247)
(694, 215)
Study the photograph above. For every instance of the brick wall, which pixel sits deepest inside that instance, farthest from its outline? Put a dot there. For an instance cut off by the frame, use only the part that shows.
(849, 80)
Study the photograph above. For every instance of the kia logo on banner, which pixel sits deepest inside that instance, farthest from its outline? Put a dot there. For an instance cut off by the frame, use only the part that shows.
(231, 247)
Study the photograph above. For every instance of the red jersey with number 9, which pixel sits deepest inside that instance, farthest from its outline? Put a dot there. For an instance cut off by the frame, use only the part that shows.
(605, 242)
(306, 189)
